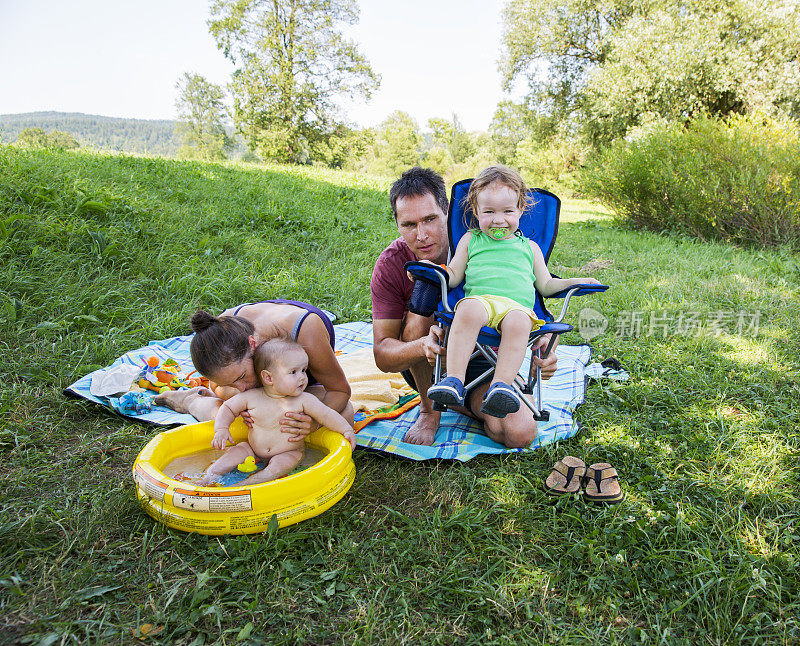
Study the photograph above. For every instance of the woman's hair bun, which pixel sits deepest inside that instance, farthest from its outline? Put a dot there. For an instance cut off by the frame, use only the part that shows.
(202, 320)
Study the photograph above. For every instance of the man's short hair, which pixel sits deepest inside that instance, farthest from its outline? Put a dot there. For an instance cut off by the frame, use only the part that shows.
(416, 182)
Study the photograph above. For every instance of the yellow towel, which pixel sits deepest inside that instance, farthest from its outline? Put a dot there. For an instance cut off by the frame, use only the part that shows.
(370, 387)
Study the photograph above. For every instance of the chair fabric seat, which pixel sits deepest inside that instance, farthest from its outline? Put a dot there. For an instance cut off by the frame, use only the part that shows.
(490, 336)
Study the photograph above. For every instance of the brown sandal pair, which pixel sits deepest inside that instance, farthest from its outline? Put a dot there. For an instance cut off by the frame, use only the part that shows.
(599, 481)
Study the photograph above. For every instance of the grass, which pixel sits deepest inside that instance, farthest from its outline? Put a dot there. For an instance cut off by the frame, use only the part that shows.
(99, 254)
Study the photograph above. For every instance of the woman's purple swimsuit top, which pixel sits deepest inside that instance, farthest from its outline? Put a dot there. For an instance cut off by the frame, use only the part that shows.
(310, 309)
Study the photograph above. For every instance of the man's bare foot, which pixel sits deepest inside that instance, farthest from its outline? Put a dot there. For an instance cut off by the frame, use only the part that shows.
(424, 429)
(178, 400)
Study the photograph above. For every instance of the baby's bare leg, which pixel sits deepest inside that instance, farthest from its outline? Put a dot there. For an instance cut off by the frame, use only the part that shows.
(232, 458)
(278, 465)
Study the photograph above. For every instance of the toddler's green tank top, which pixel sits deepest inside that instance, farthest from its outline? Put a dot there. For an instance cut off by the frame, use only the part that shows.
(500, 268)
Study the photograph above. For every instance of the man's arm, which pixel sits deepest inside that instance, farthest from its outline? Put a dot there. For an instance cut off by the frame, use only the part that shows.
(393, 354)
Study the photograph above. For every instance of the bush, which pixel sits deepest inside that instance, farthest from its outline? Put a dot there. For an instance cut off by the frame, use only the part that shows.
(735, 180)
(552, 163)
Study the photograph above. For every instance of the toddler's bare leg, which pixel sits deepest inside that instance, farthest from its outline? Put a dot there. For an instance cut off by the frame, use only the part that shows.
(469, 319)
(232, 458)
(515, 329)
(278, 465)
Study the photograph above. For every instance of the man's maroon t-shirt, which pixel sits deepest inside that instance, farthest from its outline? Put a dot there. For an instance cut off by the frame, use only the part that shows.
(390, 287)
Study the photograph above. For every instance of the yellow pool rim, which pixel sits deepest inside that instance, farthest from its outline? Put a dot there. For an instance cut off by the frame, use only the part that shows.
(237, 509)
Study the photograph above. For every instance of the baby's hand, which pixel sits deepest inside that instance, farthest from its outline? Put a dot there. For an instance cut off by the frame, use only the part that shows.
(221, 439)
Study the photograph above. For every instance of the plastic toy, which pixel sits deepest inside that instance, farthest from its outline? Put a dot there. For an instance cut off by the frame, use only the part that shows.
(133, 403)
(248, 465)
(160, 377)
(199, 380)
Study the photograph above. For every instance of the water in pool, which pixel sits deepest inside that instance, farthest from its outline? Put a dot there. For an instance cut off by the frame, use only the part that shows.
(190, 468)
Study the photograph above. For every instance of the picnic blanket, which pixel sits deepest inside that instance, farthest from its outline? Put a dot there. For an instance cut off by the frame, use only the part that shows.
(386, 406)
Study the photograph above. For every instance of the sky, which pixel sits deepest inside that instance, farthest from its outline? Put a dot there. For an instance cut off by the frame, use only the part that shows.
(121, 58)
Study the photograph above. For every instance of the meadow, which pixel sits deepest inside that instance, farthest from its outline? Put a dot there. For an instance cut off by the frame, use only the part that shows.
(101, 253)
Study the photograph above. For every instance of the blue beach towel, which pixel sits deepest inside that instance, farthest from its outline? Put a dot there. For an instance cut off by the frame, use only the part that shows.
(458, 438)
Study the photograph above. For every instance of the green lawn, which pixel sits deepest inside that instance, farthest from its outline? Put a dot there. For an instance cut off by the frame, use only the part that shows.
(99, 254)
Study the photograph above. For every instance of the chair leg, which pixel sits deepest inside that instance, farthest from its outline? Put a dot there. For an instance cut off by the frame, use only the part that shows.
(538, 414)
(436, 376)
(518, 384)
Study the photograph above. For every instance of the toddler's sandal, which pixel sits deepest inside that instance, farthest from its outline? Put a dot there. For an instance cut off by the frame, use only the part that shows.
(566, 477)
(601, 485)
(500, 400)
(449, 391)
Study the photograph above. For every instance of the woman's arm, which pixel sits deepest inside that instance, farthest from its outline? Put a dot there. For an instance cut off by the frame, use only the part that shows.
(328, 417)
(322, 363)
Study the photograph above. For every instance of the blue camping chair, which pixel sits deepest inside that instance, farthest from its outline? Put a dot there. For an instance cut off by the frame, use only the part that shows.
(539, 223)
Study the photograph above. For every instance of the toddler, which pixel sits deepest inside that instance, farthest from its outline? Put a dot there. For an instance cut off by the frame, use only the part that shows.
(280, 365)
(500, 268)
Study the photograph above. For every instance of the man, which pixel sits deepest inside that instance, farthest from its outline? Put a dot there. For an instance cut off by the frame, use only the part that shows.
(407, 342)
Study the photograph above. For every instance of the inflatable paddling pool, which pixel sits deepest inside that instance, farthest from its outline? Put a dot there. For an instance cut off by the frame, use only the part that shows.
(238, 509)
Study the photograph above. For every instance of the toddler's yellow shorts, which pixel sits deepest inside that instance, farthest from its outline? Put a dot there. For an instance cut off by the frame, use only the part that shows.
(498, 306)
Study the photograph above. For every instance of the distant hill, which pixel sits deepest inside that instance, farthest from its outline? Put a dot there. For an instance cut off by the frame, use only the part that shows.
(144, 136)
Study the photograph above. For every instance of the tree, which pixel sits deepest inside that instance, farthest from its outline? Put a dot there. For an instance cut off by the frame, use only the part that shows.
(711, 57)
(556, 45)
(452, 136)
(293, 63)
(32, 138)
(608, 64)
(398, 143)
(201, 114)
(62, 140)
(513, 122)
(38, 138)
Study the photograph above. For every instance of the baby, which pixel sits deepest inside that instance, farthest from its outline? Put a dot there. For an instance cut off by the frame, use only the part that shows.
(280, 364)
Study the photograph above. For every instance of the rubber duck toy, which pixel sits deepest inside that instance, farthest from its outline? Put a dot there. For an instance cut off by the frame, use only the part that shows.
(248, 465)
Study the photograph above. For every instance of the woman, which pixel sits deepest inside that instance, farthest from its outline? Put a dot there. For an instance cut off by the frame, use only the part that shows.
(222, 350)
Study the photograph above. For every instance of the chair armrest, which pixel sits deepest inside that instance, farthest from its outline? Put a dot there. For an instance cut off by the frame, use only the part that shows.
(580, 290)
(575, 290)
(426, 271)
(430, 287)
